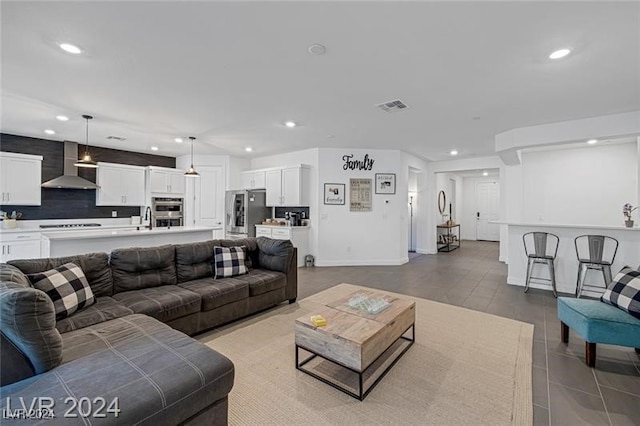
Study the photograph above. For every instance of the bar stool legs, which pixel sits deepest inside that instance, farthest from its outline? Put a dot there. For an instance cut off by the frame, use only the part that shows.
(552, 273)
(582, 273)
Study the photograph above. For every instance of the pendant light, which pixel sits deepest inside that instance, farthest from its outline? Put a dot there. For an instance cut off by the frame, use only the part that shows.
(191, 171)
(86, 160)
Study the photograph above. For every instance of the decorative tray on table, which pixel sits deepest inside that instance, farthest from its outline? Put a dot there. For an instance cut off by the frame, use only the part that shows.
(368, 304)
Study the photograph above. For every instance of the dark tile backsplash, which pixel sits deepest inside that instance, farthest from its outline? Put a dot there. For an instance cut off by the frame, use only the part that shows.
(73, 203)
(280, 211)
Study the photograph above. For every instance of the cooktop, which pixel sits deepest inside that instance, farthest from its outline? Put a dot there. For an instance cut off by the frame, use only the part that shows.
(71, 225)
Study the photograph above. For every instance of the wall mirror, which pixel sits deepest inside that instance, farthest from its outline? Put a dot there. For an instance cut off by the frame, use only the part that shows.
(442, 201)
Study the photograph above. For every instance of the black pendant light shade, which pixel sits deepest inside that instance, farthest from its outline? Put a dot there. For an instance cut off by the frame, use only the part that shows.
(191, 171)
(86, 160)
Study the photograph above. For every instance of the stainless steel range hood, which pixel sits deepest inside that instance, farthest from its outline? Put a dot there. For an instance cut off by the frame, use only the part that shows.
(70, 178)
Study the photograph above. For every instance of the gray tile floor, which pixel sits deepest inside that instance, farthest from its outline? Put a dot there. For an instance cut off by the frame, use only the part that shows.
(565, 390)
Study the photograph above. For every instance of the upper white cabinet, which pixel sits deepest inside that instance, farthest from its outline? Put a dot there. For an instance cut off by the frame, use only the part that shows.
(162, 180)
(20, 179)
(287, 186)
(254, 179)
(120, 185)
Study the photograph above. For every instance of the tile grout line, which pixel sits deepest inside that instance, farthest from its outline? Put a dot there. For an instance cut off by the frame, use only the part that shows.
(604, 404)
(546, 355)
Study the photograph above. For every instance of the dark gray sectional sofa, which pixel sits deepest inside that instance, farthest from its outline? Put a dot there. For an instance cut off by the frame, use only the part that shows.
(132, 344)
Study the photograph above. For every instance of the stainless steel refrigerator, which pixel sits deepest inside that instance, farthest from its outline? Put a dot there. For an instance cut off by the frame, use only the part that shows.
(243, 210)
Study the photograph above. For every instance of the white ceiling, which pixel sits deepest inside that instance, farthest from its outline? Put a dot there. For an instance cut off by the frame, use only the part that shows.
(230, 73)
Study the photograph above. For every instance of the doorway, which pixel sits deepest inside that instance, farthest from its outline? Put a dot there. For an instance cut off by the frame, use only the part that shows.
(488, 209)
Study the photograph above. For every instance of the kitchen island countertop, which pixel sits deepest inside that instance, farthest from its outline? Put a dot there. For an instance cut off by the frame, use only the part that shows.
(57, 244)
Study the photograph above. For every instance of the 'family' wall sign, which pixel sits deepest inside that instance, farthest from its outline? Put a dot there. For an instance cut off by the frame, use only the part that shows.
(350, 164)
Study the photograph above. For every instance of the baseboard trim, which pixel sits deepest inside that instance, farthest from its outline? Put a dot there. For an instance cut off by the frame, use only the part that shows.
(365, 262)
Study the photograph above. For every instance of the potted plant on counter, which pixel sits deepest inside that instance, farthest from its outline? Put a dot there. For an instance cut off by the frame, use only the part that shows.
(627, 209)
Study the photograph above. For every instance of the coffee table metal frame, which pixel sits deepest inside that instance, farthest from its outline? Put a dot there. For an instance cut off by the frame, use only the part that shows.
(362, 394)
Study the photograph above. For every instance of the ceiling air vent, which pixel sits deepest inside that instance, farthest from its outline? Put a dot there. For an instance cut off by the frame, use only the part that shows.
(391, 106)
(116, 138)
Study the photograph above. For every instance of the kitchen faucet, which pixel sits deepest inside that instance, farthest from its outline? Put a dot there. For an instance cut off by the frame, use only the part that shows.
(147, 216)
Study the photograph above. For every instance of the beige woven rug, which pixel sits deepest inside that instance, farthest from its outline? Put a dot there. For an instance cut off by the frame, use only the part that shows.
(466, 368)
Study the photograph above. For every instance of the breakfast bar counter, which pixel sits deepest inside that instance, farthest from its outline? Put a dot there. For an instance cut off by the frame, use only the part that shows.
(56, 244)
(566, 264)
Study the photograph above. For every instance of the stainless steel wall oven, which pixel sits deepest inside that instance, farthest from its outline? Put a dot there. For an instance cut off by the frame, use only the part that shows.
(167, 212)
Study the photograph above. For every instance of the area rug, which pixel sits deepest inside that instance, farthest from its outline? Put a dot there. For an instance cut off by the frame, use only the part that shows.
(465, 368)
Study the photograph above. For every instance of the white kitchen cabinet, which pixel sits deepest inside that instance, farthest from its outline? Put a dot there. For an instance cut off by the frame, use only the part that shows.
(20, 179)
(208, 200)
(120, 185)
(19, 246)
(299, 236)
(162, 180)
(254, 179)
(287, 186)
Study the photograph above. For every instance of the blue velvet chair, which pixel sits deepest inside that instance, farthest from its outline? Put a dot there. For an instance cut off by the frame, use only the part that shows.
(597, 322)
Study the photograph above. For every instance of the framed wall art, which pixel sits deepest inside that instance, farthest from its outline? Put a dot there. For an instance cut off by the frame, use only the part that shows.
(334, 194)
(360, 195)
(385, 183)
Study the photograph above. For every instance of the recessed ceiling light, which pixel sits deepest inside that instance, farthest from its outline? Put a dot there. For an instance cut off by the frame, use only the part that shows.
(248, 149)
(317, 49)
(475, 118)
(50, 132)
(154, 148)
(179, 140)
(561, 53)
(290, 124)
(62, 117)
(485, 173)
(592, 141)
(70, 48)
(454, 152)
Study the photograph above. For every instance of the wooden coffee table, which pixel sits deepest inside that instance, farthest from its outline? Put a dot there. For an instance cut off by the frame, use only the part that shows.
(357, 340)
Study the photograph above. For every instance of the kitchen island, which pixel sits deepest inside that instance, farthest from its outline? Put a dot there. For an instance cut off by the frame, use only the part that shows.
(56, 244)
(566, 264)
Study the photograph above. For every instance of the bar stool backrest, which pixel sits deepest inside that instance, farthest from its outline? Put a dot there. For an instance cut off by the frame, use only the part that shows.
(596, 249)
(540, 244)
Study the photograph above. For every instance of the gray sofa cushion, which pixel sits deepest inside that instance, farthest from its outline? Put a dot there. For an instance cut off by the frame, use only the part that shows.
(104, 309)
(218, 292)
(136, 268)
(275, 255)
(159, 375)
(12, 274)
(94, 265)
(28, 320)
(262, 281)
(195, 260)
(164, 303)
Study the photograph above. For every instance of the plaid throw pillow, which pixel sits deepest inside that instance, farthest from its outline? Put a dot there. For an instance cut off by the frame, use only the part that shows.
(229, 261)
(624, 291)
(67, 287)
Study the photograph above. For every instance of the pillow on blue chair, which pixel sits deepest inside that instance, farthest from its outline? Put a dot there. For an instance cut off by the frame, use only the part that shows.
(624, 291)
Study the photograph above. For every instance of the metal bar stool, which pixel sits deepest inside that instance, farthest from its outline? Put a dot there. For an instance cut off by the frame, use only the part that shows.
(594, 252)
(541, 248)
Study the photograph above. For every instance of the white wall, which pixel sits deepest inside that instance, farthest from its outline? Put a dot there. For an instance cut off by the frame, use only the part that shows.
(580, 186)
(469, 205)
(363, 238)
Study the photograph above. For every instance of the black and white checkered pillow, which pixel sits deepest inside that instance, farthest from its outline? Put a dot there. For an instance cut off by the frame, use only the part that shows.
(624, 291)
(67, 287)
(229, 261)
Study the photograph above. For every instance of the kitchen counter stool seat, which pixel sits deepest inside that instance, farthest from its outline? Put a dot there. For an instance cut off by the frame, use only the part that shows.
(541, 248)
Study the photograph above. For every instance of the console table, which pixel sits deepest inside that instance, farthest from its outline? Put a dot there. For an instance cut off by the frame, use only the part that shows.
(448, 237)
